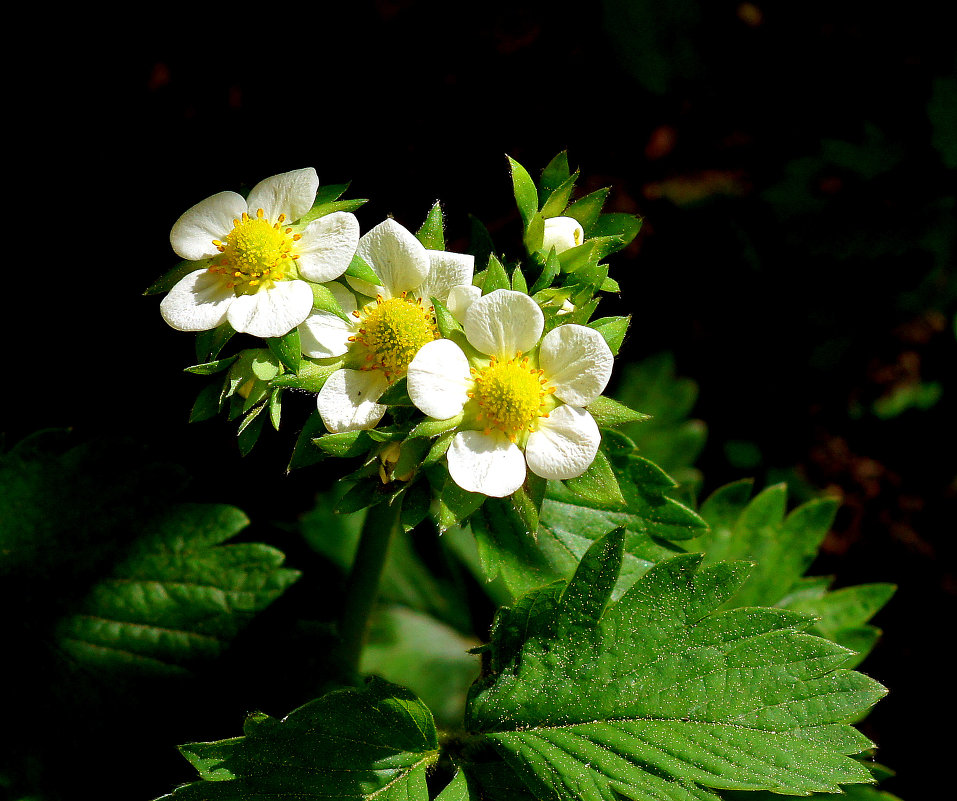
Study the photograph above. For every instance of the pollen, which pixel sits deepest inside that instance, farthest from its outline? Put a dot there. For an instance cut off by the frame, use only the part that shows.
(392, 330)
(511, 395)
(256, 253)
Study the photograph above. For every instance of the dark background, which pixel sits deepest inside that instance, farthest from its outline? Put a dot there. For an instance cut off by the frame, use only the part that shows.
(797, 255)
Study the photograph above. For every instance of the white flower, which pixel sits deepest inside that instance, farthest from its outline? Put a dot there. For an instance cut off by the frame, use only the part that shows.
(385, 330)
(562, 233)
(255, 257)
(516, 394)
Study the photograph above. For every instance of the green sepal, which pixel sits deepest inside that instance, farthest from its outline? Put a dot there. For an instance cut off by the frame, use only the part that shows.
(327, 201)
(598, 483)
(324, 300)
(518, 280)
(310, 377)
(344, 443)
(432, 232)
(171, 277)
(287, 349)
(558, 199)
(535, 233)
(454, 505)
(449, 327)
(588, 209)
(495, 276)
(576, 258)
(211, 368)
(440, 447)
(207, 404)
(550, 270)
(613, 329)
(250, 429)
(275, 407)
(556, 172)
(304, 452)
(610, 413)
(359, 269)
(624, 227)
(523, 187)
(430, 427)
(397, 394)
(209, 344)
(361, 495)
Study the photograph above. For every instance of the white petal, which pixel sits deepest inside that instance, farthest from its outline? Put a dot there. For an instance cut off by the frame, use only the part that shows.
(327, 246)
(290, 193)
(562, 233)
(198, 302)
(577, 362)
(323, 335)
(446, 270)
(460, 298)
(193, 234)
(503, 323)
(439, 379)
(271, 312)
(347, 401)
(564, 445)
(397, 257)
(486, 463)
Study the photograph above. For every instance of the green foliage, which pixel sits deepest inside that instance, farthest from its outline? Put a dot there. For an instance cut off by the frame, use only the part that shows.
(377, 741)
(661, 695)
(782, 545)
(178, 597)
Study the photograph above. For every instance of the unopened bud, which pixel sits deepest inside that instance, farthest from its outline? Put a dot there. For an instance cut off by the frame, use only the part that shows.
(562, 233)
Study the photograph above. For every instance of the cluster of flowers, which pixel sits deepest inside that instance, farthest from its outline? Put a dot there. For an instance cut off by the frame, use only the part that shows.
(515, 398)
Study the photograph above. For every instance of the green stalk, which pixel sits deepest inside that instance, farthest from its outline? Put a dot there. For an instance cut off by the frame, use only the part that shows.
(362, 586)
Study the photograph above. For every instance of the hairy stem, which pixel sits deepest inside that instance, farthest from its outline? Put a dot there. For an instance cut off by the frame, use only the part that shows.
(362, 587)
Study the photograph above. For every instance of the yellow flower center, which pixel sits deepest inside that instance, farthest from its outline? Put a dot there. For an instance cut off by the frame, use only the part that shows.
(256, 253)
(511, 395)
(392, 331)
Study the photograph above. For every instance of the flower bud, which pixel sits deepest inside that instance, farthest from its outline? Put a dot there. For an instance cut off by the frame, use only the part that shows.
(562, 233)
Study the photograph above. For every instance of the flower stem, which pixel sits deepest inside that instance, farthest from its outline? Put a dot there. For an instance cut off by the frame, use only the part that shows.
(362, 586)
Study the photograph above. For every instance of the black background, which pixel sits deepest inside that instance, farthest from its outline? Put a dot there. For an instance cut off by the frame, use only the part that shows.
(120, 123)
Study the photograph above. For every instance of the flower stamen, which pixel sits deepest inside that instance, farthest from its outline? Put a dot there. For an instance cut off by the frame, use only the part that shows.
(510, 395)
(256, 252)
(392, 332)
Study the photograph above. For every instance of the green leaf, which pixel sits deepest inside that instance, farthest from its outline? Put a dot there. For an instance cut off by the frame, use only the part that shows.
(179, 596)
(67, 504)
(660, 696)
(418, 651)
(783, 545)
(210, 343)
(432, 232)
(526, 195)
(374, 742)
